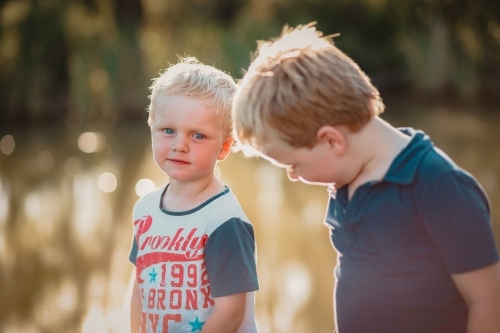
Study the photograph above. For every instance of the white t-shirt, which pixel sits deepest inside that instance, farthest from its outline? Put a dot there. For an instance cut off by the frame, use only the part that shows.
(185, 259)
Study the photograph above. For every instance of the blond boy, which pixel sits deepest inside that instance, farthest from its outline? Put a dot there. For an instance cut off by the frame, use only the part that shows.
(193, 247)
(412, 230)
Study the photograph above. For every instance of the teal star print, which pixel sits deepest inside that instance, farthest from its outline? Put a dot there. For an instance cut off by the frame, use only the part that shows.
(153, 275)
(197, 325)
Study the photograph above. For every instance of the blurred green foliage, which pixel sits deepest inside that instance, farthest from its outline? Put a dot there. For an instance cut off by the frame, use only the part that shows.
(79, 62)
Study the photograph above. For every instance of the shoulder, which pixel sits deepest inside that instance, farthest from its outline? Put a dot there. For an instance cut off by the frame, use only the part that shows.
(440, 178)
(228, 206)
(436, 162)
(437, 166)
(149, 200)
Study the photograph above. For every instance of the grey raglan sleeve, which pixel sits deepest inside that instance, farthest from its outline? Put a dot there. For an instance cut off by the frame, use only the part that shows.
(230, 259)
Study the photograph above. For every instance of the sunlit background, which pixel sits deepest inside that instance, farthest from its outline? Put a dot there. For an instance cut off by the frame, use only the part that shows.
(75, 150)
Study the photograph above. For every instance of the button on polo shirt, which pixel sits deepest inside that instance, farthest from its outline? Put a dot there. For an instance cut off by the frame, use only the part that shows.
(399, 239)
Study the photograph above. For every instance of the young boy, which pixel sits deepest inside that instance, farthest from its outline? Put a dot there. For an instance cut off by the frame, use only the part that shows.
(193, 247)
(412, 230)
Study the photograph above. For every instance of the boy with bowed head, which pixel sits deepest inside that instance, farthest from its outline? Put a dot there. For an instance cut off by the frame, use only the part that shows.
(193, 246)
(412, 230)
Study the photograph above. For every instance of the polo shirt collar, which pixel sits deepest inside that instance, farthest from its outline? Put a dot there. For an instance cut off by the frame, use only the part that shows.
(404, 167)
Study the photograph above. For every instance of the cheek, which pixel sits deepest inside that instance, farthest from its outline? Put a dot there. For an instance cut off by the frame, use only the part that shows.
(159, 147)
(204, 155)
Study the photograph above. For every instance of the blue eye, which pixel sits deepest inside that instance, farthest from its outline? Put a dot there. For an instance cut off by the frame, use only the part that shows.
(199, 136)
(168, 131)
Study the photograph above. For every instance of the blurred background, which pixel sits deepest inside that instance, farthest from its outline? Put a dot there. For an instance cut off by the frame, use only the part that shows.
(75, 148)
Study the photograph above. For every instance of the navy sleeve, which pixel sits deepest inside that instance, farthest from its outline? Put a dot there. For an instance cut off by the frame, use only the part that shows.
(457, 218)
(230, 259)
(133, 252)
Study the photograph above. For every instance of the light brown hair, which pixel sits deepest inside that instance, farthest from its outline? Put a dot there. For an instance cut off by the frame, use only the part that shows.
(192, 79)
(298, 83)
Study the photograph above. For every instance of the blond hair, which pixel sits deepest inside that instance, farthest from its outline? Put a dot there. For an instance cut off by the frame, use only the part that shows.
(298, 83)
(192, 79)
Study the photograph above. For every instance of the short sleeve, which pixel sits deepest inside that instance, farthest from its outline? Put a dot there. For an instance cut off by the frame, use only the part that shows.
(133, 252)
(457, 218)
(230, 259)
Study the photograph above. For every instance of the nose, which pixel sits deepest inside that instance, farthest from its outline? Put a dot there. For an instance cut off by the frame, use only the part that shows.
(180, 144)
(292, 174)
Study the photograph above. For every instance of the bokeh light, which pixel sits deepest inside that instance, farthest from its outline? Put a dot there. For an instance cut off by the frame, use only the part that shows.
(45, 160)
(144, 186)
(91, 142)
(294, 290)
(33, 207)
(99, 79)
(7, 144)
(107, 182)
(212, 53)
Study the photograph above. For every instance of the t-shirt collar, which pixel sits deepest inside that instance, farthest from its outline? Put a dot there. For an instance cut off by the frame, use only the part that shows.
(404, 167)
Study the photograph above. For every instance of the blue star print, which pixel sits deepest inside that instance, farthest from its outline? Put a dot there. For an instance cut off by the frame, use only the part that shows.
(197, 325)
(153, 275)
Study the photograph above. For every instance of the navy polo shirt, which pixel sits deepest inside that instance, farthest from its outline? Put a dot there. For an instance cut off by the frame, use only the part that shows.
(400, 239)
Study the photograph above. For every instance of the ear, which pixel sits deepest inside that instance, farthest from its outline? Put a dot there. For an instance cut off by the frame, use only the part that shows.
(333, 137)
(226, 148)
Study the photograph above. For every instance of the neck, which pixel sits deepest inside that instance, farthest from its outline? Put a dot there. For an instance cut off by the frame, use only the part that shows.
(182, 196)
(381, 143)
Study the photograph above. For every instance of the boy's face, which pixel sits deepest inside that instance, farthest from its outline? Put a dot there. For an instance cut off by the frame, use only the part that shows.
(316, 165)
(187, 138)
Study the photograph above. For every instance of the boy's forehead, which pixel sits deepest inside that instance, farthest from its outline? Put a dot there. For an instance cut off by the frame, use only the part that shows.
(200, 112)
(182, 99)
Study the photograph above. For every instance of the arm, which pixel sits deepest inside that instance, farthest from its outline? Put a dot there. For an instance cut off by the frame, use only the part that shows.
(228, 314)
(135, 309)
(481, 290)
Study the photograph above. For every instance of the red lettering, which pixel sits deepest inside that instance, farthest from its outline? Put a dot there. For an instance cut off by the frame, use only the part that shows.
(188, 238)
(146, 242)
(192, 299)
(208, 301)
(203, 241)
(155, 242)
(177, 273)
(192, 273)
(175, 299)
(166, 241)
(149, 259)
(161, 299)
(143, 322)
(157, 299)
(204, 275)
(170, 317)
(153, 318)
(163, 282)
(143, 224)
(194, 243)
(151, 298)
(176, 241)
(197, 247)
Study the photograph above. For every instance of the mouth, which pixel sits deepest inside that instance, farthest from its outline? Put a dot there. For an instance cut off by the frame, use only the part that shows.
(175, 161)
